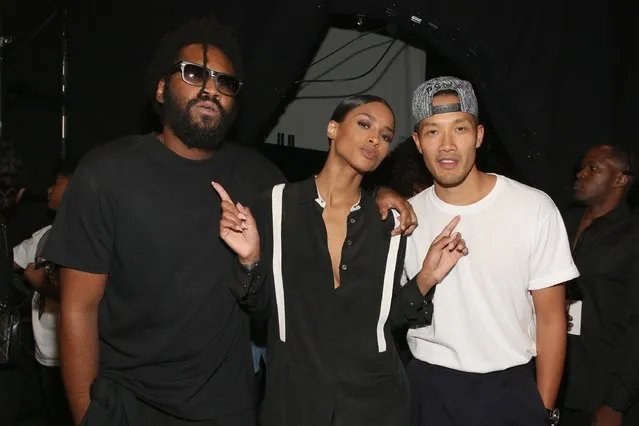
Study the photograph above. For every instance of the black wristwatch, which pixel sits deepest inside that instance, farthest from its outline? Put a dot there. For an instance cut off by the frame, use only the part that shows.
(552, 416)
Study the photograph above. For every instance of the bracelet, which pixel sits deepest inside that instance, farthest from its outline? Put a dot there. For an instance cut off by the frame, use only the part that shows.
(552, 416)
(250, 267)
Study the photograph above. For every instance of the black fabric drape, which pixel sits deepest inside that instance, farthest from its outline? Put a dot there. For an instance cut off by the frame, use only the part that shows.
(111, 44)
(555, 76)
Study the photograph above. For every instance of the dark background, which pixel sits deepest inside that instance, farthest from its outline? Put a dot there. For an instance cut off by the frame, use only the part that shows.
(553, 77)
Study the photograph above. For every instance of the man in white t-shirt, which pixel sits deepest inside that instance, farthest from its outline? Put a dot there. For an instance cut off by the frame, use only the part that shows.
(45, 307)
(503, 304)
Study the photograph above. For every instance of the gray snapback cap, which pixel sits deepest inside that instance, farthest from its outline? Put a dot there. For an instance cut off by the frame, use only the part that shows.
(423, 98)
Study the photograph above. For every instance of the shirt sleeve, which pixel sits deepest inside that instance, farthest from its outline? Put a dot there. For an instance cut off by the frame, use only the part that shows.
(83, 230)
(25, 252)
(551, 260)
(409, 307)
(624, 389)
(253, 291)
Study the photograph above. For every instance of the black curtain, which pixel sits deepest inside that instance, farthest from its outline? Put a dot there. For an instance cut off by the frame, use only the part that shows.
(111, 43)
(555, 77)
(31, 83)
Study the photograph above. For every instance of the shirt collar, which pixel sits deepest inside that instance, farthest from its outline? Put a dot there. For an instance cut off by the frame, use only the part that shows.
(621, 211)
(310, 192)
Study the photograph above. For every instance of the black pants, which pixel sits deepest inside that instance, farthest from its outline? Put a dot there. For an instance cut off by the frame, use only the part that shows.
(11, 387)
(19, 392)
(445, 397)
(53, 396)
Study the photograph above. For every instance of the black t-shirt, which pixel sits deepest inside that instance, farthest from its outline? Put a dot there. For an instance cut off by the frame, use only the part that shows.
(170, 329)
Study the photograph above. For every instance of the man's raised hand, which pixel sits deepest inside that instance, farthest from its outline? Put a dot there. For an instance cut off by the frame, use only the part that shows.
(238, 228)
(443, 254)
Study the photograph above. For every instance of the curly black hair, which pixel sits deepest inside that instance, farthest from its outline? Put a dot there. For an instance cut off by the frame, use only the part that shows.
(206, 31)
(409, 174)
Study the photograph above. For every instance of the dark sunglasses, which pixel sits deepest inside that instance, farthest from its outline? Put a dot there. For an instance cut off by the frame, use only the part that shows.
(197, 75)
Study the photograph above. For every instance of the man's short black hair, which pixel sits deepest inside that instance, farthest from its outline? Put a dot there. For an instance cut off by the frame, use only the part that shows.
(622, 157)
(624, 160)
(64, 168)
(205, 31)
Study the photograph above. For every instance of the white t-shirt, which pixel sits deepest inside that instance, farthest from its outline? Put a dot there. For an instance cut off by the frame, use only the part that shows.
(45, 328)
(483, 317)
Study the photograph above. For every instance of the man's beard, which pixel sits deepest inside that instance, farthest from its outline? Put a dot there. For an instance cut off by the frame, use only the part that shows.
(206, 135)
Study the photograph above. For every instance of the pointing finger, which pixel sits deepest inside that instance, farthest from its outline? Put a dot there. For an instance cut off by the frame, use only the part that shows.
(228, 206)
(221, 192)
(450, 227)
